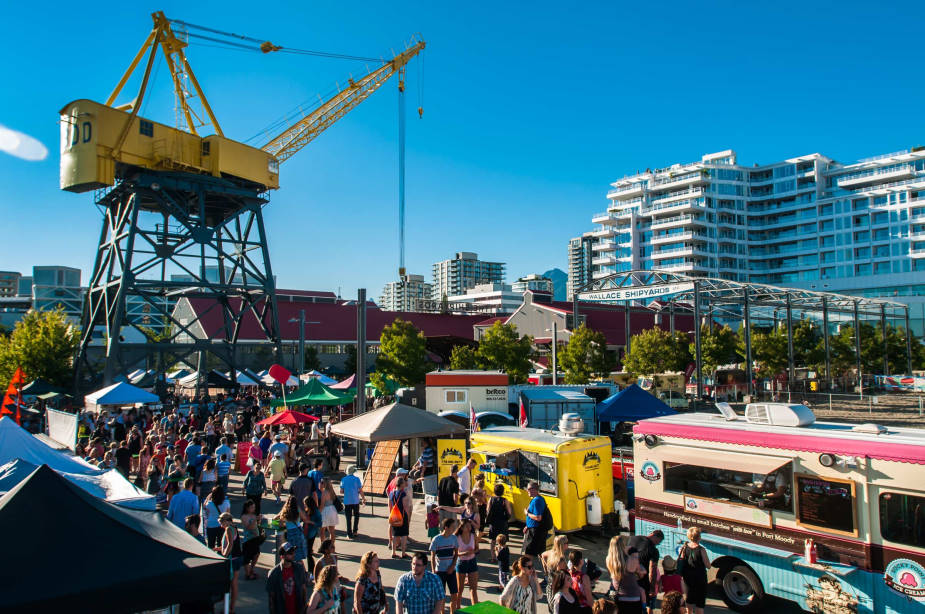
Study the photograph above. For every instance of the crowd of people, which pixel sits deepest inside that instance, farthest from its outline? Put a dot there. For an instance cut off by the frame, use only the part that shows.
(184, 456)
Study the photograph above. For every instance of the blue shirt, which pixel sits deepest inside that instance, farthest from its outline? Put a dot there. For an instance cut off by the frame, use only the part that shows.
(264, 445)
(316, 477)
(350, 485)
(419, 598)
(184, 503)
(223, 449)
(280, 447)
(192, 451)
(536, 507)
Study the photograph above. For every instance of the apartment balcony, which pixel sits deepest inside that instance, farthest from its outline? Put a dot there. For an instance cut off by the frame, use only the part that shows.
(678, 236)
(604, 246)
(603, 233)
(678, 220)
(678, 195)
(917, 253)
(688, 250)
(607, 218)
(679, 266)
(917, 236)
(604, 261)
(691, 204)
(660, 185)
(857, 180)
(626, 192)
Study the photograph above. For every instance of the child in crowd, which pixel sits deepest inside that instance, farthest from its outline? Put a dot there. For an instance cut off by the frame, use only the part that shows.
(504, 560)
(670, 579)
(433, 521)
(673, 603)
(604, 606)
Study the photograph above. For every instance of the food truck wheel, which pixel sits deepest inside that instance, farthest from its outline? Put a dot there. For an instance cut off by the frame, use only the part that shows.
(742, 589)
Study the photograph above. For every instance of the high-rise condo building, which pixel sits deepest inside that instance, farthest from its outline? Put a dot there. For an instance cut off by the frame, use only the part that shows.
(455, 276)
(808, 222)
(408, 294)
(579, 261)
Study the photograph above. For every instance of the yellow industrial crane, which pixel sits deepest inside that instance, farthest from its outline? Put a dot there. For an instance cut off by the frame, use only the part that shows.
(101, 142)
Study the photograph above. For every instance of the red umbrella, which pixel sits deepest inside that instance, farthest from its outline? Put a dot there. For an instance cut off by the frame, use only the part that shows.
(287, 417)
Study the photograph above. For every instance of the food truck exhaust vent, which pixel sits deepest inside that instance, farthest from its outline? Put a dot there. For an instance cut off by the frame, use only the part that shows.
(571, 424)
(779, 414)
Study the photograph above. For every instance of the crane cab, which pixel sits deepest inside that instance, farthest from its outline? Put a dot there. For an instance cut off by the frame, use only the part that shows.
(90, 134)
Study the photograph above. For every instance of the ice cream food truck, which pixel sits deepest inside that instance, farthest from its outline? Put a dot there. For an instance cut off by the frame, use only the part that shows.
(831, 516)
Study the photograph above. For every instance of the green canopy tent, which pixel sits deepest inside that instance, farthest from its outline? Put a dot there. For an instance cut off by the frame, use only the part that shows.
(390, 386)
(315, 393)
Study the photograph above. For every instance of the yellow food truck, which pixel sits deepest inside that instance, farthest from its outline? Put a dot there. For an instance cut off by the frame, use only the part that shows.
(572, 469)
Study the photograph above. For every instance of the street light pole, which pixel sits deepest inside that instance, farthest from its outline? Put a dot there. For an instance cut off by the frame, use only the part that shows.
(302, 323)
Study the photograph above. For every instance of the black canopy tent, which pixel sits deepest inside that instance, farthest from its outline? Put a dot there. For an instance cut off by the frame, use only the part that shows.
(99, 555)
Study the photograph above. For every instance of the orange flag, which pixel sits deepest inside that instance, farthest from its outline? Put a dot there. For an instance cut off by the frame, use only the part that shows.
(13, 397)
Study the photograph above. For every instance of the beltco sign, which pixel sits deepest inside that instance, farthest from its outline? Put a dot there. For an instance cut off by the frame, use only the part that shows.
(633, 293)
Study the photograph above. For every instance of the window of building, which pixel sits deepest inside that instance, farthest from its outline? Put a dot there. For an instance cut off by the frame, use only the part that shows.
(768, 491)
(456, 396)
(882, 251)
(902, 518)
(826, 504)
(862, 269)
(145, 128)
(881, 268)
(862, 253)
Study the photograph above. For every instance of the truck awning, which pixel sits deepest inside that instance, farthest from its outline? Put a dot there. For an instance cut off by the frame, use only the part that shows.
(718, 459)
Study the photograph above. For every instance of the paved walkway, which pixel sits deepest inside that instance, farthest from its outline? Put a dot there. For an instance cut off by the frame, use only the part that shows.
(373, 536)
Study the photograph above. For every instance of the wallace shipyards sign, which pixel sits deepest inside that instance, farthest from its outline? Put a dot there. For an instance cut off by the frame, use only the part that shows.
(635, 293)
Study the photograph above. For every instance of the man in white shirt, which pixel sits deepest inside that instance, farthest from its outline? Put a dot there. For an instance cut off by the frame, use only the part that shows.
(465, 478)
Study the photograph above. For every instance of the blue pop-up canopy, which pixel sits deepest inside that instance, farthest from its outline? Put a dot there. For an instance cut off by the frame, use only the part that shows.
(631, 405)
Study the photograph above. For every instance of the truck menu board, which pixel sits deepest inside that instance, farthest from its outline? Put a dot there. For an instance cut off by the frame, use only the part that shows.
(826, 503)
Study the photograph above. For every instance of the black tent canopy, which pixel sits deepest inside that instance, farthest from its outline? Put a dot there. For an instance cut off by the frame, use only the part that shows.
(100, 556)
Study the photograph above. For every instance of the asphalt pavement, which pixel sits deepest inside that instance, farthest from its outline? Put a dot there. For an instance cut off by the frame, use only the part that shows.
(252, 598)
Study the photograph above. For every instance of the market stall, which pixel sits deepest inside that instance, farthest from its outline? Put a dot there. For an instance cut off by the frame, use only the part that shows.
(116, 559)
(121, 394)
(314, 393)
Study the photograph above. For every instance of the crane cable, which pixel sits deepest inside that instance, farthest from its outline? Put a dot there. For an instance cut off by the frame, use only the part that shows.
(263, 46)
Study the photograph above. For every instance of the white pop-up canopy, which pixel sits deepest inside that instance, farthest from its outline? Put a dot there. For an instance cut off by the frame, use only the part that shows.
(16, 442)
(108, 485)
(121, 394)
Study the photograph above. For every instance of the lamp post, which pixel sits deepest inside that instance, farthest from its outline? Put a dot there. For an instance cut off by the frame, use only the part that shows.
(302, 323)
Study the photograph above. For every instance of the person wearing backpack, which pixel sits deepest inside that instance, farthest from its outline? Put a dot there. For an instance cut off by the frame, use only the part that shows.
(538, 523)
(497, 516)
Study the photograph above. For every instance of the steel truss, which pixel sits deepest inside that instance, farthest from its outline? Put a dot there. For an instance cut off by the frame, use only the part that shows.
(747, 302)
(167, 235)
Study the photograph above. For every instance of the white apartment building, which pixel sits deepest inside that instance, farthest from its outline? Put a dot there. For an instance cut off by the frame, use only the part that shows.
(408, 294)
(534, 283)
(490, 299)
(808, 222)
(453, 277)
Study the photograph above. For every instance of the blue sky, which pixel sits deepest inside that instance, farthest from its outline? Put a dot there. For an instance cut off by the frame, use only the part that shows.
(530, 111)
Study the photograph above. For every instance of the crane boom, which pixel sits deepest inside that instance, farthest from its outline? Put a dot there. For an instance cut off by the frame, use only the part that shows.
(294, 138)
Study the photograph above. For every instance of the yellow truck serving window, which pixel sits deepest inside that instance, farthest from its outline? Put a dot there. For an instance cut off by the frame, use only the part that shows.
(541, 468)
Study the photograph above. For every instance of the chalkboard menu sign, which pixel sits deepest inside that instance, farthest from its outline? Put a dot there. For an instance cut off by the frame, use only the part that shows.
(826, 503)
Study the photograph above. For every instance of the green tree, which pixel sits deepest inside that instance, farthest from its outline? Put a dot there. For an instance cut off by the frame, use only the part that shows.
(402, 356)
(717, 347)
(807, 351)
(350, 363)
(503, 349)
(464, 357)
(584, 356)
(769, 350)
(655, 351)
(43, 344)
(311, 358)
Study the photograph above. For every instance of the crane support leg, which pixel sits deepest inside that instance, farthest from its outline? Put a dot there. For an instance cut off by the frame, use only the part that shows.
(181, 263)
